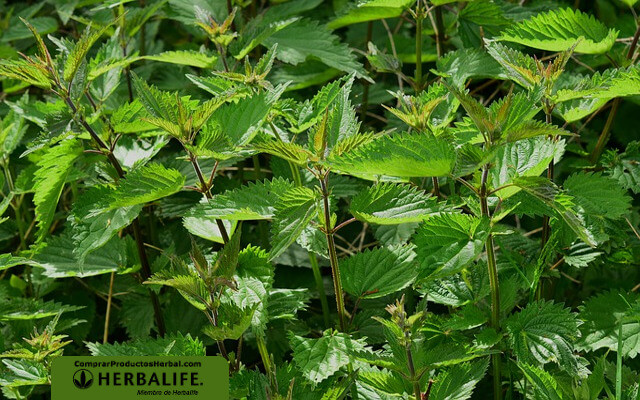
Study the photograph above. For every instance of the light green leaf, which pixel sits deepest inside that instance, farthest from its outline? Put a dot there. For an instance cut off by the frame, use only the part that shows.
(94, 224)
(402, 155)
(391, 204)
(49, 179)
(318, 359)
(601, 316)
(447, 243)
(528, 157)
(598, 195)
(145, 184)
(369, 10)
(184, 57)
(306, 39)
(58, 260)
(544, 332)
(23, 309)
(294, 211)
(558, 30)
(378, 272)
(545, 386)
(256, 201)
(241, 120)
(458, 382)
(171, 345)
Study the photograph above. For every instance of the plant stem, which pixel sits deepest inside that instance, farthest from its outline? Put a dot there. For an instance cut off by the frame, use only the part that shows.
(619, 364)
(264, 355)
(494, 285)
(144, 261)
(333, 257)
(313, 259)
(439, 31)
(107, 317)
(418, 72)
(206, 189)
(606, 132)
(412, 369)
(546, 228)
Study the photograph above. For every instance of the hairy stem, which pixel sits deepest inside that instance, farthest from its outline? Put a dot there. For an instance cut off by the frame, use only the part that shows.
(494, 286)
(418, 72)
(333, 256)
(107, 317)
(144, 261)
(412, 370)
(546, 228)
(206, 189)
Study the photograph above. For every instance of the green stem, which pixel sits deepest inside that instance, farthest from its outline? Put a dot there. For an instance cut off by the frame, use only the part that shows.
(313, 259)
(264, 355)
(412, 370)
(333, 256)
(418, 73)
(619, 364)
(494, 286)
(439, 31)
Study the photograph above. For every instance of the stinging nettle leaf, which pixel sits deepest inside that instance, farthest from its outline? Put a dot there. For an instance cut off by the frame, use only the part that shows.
(49, 179)
(145, 184)
(403, 155)
(378, 272)
(447, 243)
(391, 204)
(558, 30)
(256, 201)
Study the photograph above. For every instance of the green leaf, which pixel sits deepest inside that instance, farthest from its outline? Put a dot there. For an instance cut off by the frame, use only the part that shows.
(378, 272)
(318, 359)
(598, 195)
(184, 57)
(545, 387)
(546, 192)
(306, 39)
(295, 209)
(447, 243)
(458, 382)
(544, 332)
(288, 151)
(391, 204)
(369, 10)
(58, 259)
(80, 50)
(233, 322)
(171, 345)
(241, 120)
(402, 155)
(18, 308)
(49, 179)
(463, 64)
(94, 224)
(558, 30)
(145, 184)
(528, 157)
(256, 201)
(601, 316)
(24, 373)
(519, 67)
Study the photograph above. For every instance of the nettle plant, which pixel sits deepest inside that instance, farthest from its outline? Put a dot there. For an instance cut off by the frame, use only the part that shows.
(290, 187)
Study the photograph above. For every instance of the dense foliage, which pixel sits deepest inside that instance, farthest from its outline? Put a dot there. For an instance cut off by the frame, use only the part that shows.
(381, 199)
